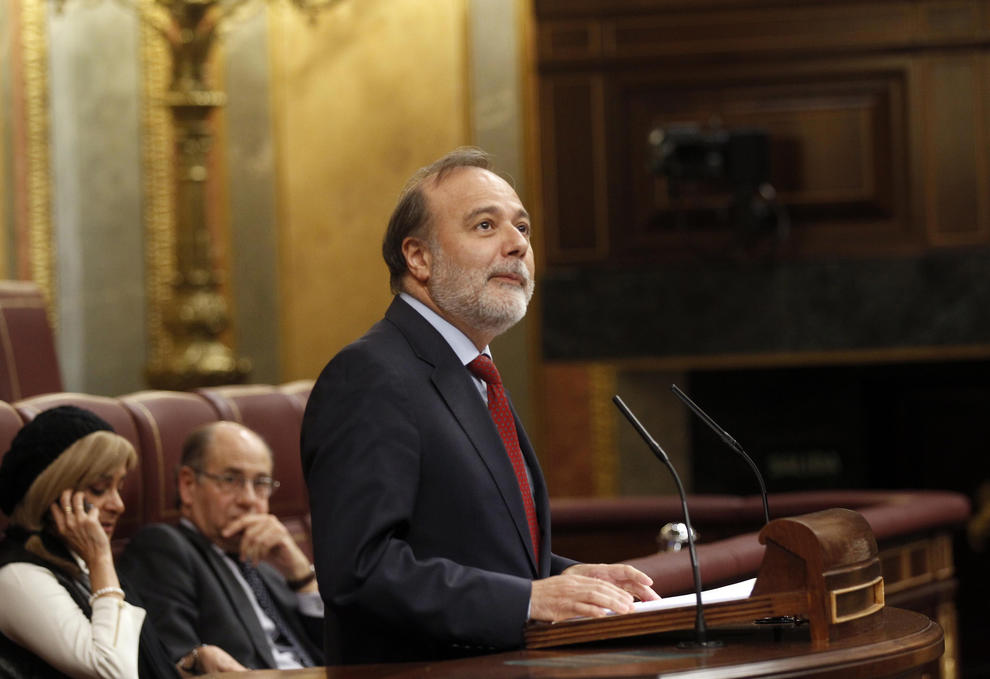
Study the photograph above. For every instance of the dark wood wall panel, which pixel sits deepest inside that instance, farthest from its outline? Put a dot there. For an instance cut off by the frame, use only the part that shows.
(838, 146)
(574, 144)
(622, 30)
(570, 40)
(955, 136)
(759, 30)
(877, 113)
(968, 20)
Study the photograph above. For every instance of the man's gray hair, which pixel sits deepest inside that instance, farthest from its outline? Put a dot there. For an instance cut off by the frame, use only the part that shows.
(411, 213)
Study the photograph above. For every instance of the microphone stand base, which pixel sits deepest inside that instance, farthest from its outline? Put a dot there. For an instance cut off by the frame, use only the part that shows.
(713, 643)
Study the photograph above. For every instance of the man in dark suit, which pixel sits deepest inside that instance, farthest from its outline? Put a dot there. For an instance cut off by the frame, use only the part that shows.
(228, 588)
(430, 514)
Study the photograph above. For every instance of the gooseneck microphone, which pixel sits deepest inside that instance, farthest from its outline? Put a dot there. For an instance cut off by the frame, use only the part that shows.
(700, 629)
(729, 441)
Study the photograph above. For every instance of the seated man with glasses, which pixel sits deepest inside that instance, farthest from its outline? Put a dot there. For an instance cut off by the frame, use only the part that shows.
(228, 581)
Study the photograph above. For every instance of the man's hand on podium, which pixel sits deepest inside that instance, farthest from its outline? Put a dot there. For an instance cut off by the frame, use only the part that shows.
(589, 590)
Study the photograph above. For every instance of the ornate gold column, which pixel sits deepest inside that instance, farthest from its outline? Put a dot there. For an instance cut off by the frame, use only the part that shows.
(158, 178)
(197, 314)
(34, 219)
(190, 352)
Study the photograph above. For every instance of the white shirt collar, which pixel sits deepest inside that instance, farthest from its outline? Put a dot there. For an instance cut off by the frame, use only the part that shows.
(214, 546)
(458, 341)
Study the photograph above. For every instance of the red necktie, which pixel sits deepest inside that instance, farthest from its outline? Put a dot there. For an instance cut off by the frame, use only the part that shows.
(498, 406)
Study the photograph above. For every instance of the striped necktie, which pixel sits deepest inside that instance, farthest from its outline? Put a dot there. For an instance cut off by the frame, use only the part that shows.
(285, 636)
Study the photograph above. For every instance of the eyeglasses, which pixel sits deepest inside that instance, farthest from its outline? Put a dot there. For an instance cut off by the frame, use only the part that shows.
(263, 486)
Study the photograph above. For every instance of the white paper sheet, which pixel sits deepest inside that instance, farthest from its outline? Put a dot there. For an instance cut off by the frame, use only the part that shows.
(733, 592)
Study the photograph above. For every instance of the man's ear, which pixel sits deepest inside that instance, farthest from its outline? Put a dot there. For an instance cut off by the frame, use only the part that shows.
(419, 259)
(185, 482)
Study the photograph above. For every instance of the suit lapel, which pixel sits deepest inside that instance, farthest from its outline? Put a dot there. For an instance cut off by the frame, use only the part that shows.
(234, 592)
(459, 392)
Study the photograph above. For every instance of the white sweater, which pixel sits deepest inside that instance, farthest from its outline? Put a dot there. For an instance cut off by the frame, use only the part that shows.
(38, 614)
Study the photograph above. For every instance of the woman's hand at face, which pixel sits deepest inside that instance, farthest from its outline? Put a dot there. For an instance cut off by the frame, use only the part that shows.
(79, 527)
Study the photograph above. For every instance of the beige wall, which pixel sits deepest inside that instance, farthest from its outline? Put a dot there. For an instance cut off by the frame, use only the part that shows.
(362, 97)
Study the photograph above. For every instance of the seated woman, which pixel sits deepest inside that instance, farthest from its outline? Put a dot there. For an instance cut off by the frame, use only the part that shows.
(64, 612)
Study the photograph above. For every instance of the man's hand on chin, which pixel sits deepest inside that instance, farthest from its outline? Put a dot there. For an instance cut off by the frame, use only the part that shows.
(265, 538)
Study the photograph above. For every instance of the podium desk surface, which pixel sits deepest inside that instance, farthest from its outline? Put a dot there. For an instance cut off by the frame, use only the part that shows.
(901, 646)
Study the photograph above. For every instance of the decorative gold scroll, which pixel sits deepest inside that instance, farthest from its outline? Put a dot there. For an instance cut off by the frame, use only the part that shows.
(41, 251)
(157, 170)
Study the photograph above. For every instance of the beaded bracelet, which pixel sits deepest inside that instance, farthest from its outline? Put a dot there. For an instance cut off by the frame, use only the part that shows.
(103, 591)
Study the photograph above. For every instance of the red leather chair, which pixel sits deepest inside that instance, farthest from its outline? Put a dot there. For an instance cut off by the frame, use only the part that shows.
(10, 424)
(113, 411)
(163, 420)
(28, 362)
(277, 417)
(110, 409)
(299, 391)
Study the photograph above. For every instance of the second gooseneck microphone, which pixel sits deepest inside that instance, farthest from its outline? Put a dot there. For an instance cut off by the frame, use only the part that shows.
(729, 441)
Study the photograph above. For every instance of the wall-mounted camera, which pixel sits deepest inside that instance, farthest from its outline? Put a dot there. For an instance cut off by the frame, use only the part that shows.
(689, 153)
(699, 164)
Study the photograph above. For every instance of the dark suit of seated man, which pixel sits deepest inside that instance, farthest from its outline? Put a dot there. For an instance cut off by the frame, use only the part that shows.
(229, 580)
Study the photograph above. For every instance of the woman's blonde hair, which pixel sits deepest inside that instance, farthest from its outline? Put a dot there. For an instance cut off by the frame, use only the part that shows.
(81, 465)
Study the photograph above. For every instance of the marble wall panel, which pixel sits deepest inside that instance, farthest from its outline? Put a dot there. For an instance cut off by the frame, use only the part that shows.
(95, 160)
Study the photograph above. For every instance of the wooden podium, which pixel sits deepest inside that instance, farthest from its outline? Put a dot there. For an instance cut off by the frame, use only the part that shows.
(822, 568)
(904, 645)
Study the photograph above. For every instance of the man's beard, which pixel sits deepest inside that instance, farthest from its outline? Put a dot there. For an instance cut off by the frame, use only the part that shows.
(469, 295)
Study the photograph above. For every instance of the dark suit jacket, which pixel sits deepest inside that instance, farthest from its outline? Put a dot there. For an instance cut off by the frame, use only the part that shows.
(193, 598)
(420, 536)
